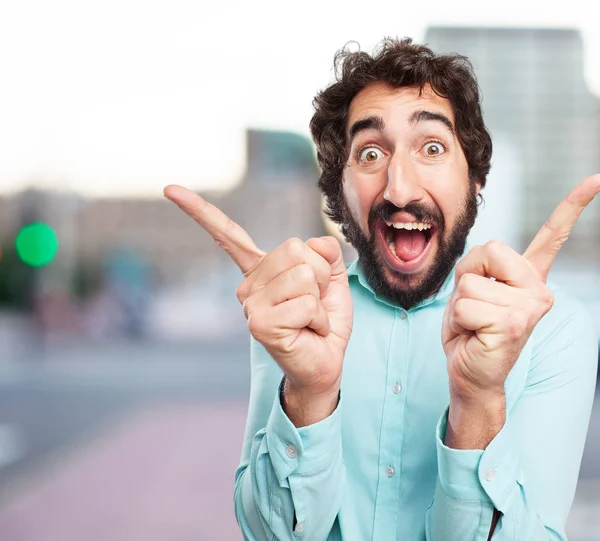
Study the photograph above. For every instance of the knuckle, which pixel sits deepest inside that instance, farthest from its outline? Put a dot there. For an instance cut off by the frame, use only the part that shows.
(222, 243)
(475, 253)
(294, 247)
(548, 223)
(304, 274)
(495, 248)
(547, 298)
(247, 307)
(466, 286)
(310, 304)
(558, 242)
(516, 325)
(459, 308)
(460, 268)
(255, 324)
(242, 292)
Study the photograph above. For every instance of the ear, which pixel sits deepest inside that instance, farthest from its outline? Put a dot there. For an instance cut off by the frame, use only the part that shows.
(477, 187)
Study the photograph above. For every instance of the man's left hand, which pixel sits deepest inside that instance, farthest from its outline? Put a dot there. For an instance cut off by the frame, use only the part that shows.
(488, 321)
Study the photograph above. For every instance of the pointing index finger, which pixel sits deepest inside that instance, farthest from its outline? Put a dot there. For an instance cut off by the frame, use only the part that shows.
(554, 233)
(226, 233)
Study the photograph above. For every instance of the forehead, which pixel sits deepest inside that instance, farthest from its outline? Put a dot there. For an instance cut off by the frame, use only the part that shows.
(395, 105)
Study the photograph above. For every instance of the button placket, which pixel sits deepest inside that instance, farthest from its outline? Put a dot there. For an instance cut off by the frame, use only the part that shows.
(393, 425)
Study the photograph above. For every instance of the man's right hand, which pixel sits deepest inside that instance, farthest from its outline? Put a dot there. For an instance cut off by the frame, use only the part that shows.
(297, 302)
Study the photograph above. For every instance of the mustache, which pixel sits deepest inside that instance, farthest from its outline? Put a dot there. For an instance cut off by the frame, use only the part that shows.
(386, 210)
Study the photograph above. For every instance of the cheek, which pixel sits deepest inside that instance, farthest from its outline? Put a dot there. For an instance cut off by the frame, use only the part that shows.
(450, 204)
(360, 196)
(449, 192)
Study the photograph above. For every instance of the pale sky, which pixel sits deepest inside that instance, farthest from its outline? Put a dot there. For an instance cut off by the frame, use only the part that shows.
(125, 96)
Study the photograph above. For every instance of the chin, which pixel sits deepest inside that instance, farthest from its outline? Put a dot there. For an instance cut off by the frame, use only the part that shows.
(406, 288)
(401, 282)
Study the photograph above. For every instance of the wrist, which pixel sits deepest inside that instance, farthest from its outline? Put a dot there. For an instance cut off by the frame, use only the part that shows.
(477, 398)
(474, 421)
(305, 407)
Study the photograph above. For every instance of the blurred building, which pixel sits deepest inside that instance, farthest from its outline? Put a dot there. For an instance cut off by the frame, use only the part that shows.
(276, 199)
(536, 98)
(8, 215)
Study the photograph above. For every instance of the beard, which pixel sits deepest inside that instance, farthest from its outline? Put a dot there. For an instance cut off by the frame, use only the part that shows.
(409, 290)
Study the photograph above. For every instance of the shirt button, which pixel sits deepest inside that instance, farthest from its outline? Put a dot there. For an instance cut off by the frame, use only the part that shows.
(403, 315)
(291, 451)
(397, 388)
(299, 527)
(390, 471)
(490, 474)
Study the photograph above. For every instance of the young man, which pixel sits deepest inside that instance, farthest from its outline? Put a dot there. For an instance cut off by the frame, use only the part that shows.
(408, 396)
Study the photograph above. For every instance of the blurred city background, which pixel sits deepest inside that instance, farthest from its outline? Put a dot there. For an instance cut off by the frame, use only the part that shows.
(124, 360)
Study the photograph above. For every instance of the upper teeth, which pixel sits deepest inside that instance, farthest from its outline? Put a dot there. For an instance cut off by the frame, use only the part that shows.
(409, 225)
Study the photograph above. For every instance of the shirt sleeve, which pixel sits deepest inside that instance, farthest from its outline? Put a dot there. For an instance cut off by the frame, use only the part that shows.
(529, 470)
(289, 484)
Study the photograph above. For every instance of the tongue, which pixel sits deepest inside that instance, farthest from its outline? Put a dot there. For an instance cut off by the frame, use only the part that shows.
(409, 244)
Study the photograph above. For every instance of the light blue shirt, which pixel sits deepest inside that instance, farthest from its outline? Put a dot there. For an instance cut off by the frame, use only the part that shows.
(377, 468)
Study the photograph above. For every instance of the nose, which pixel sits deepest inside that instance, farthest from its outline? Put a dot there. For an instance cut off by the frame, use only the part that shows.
(403, 186)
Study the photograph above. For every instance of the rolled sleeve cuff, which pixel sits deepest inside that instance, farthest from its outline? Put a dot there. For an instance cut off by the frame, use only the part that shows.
(489, 475)
(303, 451)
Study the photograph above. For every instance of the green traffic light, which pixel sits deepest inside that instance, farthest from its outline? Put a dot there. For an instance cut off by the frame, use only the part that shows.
(36, 244)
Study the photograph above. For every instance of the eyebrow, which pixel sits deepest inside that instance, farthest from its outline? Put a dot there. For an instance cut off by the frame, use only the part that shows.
(376, 122)
(369, 123)
(430, 116)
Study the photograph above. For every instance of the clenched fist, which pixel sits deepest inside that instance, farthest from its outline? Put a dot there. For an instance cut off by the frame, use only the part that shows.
(487, 322)
(297, 302)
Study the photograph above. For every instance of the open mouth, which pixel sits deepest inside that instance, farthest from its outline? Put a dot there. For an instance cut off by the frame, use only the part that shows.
(405, 245)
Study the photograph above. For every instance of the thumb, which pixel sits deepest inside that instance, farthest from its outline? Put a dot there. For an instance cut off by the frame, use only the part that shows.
(329, 249)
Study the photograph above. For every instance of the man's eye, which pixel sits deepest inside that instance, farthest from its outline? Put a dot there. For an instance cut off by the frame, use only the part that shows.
(369, 155)
(434, 149)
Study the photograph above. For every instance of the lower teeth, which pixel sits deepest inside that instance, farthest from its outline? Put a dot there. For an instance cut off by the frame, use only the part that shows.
(392, 247)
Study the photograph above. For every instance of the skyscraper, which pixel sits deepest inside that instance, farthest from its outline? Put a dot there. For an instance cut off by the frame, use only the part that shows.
(535, 97)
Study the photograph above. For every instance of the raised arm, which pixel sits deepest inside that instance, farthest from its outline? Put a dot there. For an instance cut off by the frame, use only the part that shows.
(299, 310)
(487, 324)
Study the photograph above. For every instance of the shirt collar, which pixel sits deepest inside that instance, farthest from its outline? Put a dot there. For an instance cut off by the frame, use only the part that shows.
(355, 270)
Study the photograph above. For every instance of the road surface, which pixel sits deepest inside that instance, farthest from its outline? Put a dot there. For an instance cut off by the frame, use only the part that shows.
(140, 441)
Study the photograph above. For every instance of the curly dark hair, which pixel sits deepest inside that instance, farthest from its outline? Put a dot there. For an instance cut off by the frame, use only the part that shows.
(399, 63)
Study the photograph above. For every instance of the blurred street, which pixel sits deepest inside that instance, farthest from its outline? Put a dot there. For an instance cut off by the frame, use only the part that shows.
(119, 442)
(85, 430)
